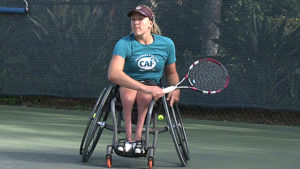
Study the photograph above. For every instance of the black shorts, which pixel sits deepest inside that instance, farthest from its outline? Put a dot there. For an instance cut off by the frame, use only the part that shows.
(149, 82)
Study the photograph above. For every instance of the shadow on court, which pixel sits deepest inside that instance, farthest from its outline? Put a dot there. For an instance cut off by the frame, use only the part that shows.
(32, 138)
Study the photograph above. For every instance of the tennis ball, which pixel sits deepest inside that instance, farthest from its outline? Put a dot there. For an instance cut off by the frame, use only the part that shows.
(160, 117)
(94, 115)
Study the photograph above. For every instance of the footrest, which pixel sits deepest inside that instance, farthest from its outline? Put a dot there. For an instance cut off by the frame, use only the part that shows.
(121, 143)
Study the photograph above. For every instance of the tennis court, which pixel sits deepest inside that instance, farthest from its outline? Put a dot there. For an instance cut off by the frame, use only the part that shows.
(50, 138)
(63, 49)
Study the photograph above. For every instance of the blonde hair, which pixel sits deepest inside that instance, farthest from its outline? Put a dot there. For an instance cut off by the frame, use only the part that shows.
(155, 28)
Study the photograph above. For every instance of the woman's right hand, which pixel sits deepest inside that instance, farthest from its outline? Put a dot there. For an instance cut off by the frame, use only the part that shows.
(155, 91)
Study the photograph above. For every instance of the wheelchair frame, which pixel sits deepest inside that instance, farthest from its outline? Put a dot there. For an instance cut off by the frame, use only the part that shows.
(106, 105)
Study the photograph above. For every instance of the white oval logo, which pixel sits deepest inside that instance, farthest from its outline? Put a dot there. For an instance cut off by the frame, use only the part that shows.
(147, 63)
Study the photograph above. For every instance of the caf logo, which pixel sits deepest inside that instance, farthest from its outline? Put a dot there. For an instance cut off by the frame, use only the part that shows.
(146, 63)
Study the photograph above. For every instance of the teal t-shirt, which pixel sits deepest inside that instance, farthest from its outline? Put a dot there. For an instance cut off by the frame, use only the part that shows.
(145, 62)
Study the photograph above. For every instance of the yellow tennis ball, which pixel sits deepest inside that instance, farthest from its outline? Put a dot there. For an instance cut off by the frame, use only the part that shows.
(160, 117)
(94, 115)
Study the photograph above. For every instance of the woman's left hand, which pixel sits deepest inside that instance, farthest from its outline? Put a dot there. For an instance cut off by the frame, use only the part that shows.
(173, 97)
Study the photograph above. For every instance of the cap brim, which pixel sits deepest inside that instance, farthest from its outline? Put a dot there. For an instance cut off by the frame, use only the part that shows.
(133, 11)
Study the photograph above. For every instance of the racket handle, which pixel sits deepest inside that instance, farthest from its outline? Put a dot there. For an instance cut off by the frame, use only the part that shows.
(169, 89)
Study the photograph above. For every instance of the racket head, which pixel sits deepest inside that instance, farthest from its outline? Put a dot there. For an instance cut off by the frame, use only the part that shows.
(208, 76)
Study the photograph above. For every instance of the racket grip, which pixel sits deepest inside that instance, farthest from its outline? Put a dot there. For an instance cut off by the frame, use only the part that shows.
(169, 89)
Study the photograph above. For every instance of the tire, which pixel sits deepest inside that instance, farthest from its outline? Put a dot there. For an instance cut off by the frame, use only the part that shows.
(177, 132)
(181, 133)
(95, 130)
(91, 118)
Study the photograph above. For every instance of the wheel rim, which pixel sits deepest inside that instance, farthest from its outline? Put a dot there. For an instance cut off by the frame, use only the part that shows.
(84, 137)
(173, 129)
(95, 130)
(182, 133)
(180, 136)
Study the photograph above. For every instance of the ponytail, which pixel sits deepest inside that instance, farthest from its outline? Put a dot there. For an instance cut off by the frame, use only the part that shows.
(155, 28)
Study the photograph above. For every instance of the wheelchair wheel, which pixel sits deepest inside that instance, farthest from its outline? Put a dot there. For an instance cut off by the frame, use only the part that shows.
(181, 132)
(97, 125)
(177, 132)
(92, 117)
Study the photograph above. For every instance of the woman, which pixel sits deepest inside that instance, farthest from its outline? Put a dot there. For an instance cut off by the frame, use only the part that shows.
(138, 62)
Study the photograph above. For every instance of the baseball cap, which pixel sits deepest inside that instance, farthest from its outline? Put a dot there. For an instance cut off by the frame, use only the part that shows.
(142, 10)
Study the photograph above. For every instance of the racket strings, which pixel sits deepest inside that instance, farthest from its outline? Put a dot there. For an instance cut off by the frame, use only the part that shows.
(208, 76)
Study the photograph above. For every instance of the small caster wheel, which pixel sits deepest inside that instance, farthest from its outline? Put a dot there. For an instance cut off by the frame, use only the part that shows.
(109, 161)
(150, 162)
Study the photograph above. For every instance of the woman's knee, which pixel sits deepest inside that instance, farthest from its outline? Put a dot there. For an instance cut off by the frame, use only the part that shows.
(143, 99)
(127, 96)
(128, 100)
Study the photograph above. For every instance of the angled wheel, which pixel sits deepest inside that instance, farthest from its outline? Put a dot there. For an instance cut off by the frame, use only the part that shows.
(97, 124)
(91, 118)
(179, 127)
(177, 132)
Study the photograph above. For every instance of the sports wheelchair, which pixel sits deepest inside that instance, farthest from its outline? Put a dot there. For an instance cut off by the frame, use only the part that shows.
(108, 104)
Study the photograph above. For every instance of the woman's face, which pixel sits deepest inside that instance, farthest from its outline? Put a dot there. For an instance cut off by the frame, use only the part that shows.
(140, 24)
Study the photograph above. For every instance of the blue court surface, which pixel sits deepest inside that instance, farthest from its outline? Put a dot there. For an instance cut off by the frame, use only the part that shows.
(42, 138)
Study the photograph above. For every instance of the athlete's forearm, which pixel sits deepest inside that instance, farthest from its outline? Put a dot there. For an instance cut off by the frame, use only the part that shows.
(124, 80)
(172, 79)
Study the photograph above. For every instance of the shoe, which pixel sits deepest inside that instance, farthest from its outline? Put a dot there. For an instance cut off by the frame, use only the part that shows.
(128, 147)
(138, 147)
(121, 148)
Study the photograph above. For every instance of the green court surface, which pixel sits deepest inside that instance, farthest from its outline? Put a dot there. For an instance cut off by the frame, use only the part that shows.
(40, 138)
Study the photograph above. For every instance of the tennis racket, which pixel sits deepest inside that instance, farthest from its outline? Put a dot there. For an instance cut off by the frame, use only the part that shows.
(208, 76)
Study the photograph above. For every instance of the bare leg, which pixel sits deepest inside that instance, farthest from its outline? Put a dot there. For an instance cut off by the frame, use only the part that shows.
(128, 97)
(143, 102)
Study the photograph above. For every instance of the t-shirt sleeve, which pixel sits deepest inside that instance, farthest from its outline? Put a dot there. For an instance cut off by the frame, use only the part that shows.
(121, 48)
(172, 53)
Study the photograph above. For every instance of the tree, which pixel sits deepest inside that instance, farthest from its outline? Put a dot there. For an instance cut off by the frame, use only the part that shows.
(212, 13)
